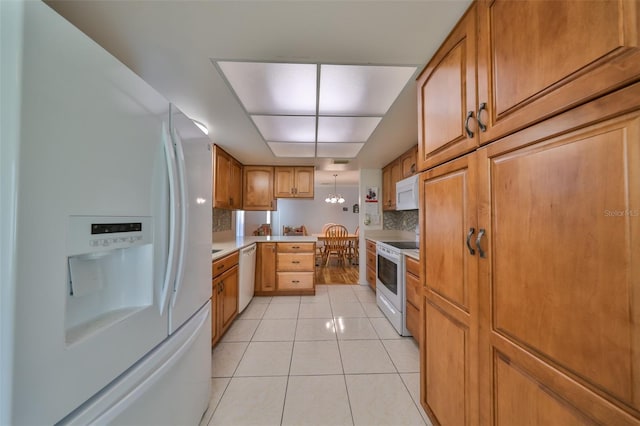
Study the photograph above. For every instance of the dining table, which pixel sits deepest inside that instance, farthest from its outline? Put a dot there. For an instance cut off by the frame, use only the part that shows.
(352, 240)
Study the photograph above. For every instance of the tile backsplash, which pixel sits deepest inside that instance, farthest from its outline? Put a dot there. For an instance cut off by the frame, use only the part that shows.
(405, 220)
(221, 220)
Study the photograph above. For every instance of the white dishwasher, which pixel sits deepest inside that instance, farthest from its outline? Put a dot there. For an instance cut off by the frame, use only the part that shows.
(246, 276)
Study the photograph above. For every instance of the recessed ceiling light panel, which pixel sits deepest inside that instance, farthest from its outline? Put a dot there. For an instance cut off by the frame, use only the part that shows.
(341, 150)
(288, 149)
(360, 89)
(268, 88)
(346, 129)
(284, 128)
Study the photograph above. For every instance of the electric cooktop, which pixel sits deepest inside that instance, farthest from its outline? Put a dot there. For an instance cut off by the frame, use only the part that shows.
(402, 244)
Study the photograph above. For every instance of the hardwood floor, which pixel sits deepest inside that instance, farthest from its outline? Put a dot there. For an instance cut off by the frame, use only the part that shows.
(336, 273)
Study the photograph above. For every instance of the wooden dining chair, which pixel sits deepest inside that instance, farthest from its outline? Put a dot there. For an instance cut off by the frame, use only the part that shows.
(353, 252)
(336, 244)
(320, 245)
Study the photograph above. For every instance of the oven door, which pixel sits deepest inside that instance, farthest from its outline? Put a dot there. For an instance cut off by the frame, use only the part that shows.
(389, 276)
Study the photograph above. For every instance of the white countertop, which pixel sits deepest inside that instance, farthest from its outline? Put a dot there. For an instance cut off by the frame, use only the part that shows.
(229, 246)
(412, 253)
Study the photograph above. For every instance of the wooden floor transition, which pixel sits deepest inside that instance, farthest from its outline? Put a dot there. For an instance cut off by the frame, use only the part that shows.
(336, 273)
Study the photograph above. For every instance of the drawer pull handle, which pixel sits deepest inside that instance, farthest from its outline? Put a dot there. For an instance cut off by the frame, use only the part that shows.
(480, 251)
(295, 281)
(295, 261)
(295, 247)
(466, 124)
(483, 127)
(469, 235)
(220, 267)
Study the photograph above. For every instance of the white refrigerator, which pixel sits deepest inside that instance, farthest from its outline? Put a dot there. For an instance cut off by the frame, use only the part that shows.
(105, 236)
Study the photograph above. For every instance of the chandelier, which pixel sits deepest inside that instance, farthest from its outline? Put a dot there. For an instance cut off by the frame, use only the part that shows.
(335, 197)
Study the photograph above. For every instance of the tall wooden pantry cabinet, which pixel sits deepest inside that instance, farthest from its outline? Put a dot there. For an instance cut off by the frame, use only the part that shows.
(530, 216)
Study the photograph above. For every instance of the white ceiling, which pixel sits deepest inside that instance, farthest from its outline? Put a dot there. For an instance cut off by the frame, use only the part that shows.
(171, 44)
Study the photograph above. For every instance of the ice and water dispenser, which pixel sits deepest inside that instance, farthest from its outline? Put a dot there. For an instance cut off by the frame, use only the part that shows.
(110, 272)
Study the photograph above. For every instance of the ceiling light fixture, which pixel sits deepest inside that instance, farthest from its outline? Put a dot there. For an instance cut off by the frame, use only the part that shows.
(335, 108)
(335, 197)
(201, 126)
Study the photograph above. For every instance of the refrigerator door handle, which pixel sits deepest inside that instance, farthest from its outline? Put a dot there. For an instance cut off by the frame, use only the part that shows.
(184, 206)
(169, 276)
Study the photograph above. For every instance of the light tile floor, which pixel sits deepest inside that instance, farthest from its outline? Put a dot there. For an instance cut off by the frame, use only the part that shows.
(329, 359)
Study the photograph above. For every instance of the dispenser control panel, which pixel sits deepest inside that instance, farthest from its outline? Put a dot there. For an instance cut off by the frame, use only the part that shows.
(89, 234)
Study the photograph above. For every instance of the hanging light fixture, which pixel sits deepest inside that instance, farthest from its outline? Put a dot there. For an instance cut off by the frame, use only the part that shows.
(335, 197)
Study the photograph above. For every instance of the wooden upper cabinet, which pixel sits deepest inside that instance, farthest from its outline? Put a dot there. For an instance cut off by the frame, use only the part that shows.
(294, 182)
(227, 180)
(447, 96)
(235, 184)
(257, 191)
(539, 58)
(391, 174)
(408, 162)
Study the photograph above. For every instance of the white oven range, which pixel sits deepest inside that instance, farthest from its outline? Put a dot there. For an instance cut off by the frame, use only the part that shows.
(390, 285)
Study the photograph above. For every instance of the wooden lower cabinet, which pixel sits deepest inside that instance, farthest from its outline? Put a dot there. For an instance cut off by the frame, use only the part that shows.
(413, 289)
(224, 299)
(449, 335)
(371, 264)
(532, 274)
(295, 267)
(286, 268)
(265, 282)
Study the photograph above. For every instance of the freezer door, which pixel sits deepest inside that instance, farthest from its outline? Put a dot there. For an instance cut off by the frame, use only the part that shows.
(192, 287)
(170, 386)
(91, 153)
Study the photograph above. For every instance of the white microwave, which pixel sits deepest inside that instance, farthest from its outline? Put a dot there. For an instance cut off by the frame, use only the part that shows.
(407, 193)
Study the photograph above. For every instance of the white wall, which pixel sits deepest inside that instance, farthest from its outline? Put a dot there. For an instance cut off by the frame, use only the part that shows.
(311, 213)
(315, 213)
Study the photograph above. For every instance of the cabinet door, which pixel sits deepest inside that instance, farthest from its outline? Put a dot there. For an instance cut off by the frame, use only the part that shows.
(228, 298)
(215, 334)
(266, 267)
(539, 58)
(447, 95)
(235, 185)
(448, 356)
(386, 188)
(304, 181)
(283, 182)
(561, 279)
(391, 174)
(258, 188)
(408, 162)
(221, 173)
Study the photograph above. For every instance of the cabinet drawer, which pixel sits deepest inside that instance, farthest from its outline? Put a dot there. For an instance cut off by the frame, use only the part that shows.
(295, 280)
(371, 246)
(221, 265)
(371, 276)
(413, 265)
(413, 321)
(295, 247)
(413, 289)
(371, 261)
(293, 262)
